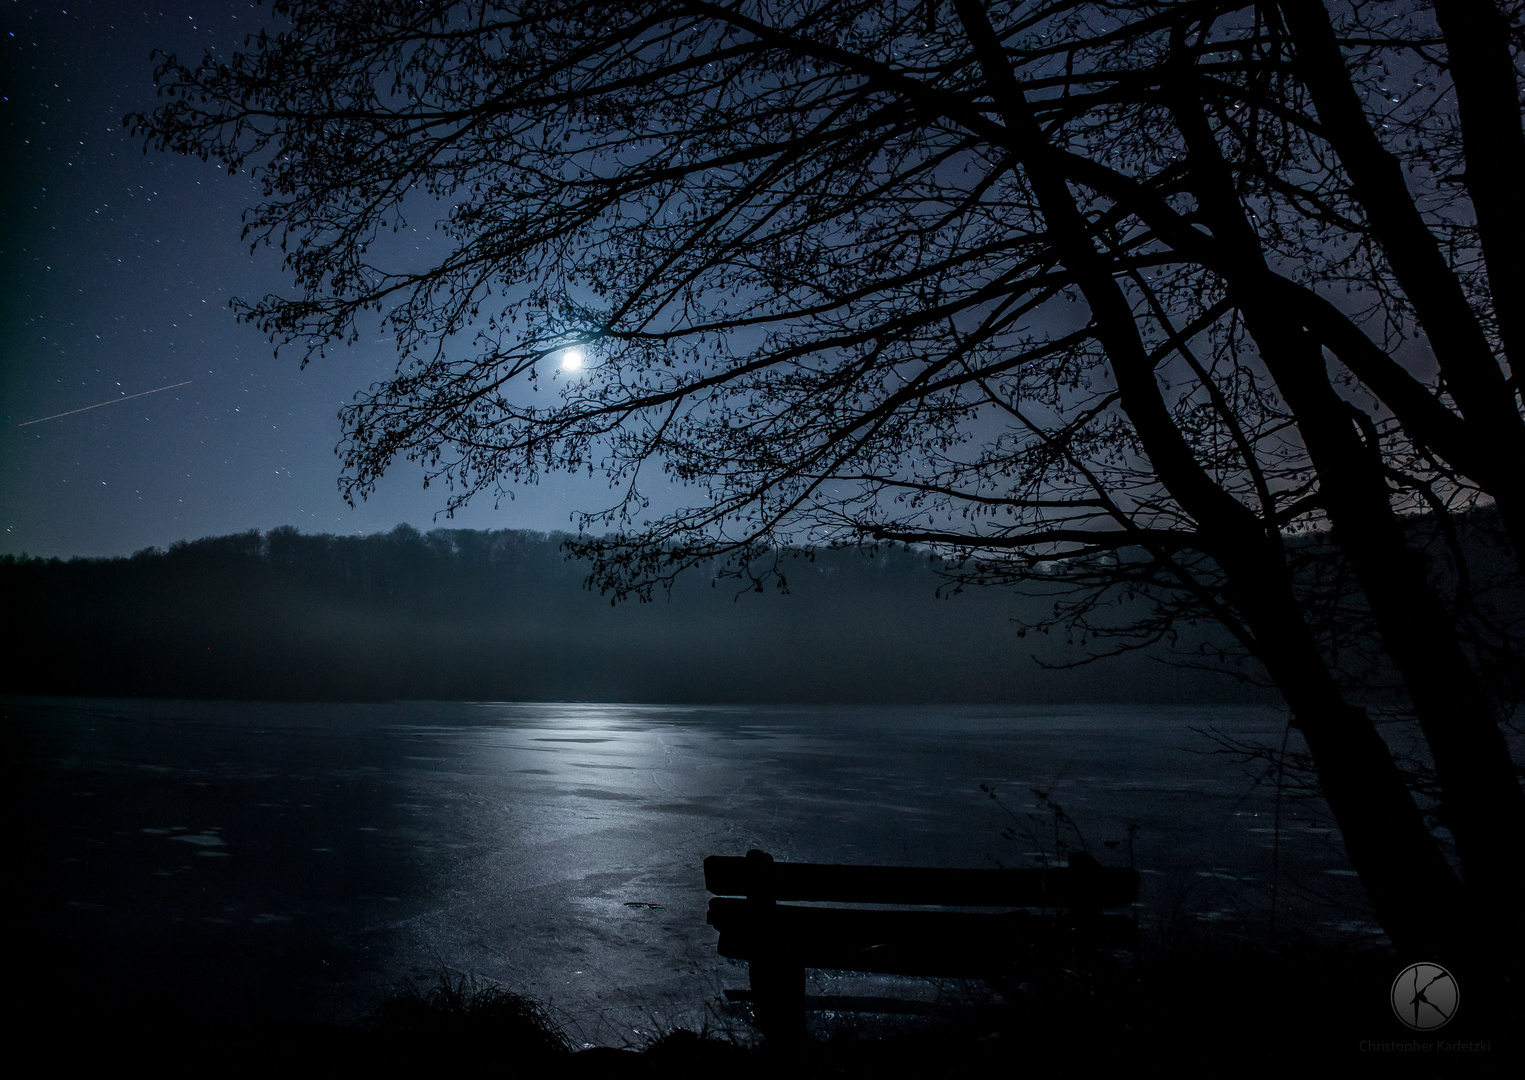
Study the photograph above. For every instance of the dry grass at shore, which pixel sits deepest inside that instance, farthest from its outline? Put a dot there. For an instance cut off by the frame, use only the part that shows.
(1192, 1011)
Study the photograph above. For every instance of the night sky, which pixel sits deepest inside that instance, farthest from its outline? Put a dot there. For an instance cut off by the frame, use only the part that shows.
(117, 271)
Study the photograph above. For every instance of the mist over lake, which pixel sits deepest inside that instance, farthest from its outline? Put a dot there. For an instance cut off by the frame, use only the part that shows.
(459, 614)
(273, 861)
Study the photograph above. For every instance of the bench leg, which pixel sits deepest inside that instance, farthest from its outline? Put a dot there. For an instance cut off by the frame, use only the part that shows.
(778, 1000)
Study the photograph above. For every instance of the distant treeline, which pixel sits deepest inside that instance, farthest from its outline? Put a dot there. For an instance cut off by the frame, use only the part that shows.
(460, 614)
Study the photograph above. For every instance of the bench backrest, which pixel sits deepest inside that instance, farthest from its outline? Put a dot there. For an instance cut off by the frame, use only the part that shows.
(1084, 883)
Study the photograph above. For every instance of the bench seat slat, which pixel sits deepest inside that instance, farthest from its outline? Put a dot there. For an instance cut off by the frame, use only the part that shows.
(961, 941)
(1061, 887)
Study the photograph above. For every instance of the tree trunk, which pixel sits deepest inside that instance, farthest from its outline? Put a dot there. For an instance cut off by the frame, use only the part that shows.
(1473, 374)
(1488, 95)
(1406, 876)
(1416, 896)
(1482, 802)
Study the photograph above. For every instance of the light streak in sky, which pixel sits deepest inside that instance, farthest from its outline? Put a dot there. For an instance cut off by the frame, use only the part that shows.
(98, 405)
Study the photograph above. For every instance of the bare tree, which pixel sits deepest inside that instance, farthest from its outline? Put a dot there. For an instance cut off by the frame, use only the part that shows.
(1054, 283)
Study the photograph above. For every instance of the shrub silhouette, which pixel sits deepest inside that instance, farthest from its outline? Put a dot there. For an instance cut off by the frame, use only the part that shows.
(462, 1015)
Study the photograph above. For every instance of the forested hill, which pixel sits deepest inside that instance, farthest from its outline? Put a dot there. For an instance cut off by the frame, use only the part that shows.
(459, 614)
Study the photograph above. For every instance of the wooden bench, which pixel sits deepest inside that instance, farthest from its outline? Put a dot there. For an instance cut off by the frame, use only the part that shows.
(780, 940)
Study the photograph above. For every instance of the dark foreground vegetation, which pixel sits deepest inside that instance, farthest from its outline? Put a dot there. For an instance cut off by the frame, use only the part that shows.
(1191, 1010)
(466, 615)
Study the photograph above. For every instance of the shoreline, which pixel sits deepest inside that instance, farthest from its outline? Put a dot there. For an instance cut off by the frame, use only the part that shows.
(1187, 1007)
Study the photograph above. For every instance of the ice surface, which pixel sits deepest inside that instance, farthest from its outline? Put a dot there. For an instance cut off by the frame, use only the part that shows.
(556, 848)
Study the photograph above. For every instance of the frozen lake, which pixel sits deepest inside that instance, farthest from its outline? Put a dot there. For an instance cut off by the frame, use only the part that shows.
(298, 861)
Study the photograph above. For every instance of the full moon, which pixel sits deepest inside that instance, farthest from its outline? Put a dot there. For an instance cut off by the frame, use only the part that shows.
(571, 360)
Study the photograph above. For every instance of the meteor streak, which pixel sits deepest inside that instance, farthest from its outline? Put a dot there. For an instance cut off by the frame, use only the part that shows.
(98, 405)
